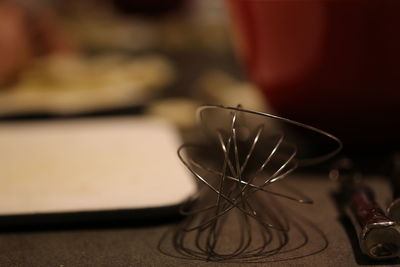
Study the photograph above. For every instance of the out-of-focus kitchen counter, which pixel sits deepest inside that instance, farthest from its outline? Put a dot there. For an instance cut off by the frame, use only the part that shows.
(137, 245)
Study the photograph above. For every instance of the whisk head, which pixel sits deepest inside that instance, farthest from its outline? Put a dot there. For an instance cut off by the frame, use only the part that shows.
(245, 153)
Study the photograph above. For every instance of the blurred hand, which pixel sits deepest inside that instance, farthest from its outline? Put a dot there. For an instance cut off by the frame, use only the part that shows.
(15, 47)
(24, 35)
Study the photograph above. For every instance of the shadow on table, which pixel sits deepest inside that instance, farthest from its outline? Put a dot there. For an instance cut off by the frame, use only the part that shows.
(236, 237)
(89, 220)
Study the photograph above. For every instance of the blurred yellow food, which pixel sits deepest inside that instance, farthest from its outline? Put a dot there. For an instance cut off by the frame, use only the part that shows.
(66, 84)
(179, 111)
(218, 87)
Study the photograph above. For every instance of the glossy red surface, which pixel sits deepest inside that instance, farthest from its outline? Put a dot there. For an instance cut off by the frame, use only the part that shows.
(334, 64)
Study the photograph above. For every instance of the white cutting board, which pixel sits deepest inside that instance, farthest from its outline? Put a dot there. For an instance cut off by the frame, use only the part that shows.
(90, 165)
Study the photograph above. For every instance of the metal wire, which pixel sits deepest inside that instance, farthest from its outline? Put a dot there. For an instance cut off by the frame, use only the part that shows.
(234, 205)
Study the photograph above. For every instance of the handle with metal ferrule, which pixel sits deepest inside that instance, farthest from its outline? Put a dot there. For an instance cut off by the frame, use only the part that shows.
(393, 209)
(379, 236)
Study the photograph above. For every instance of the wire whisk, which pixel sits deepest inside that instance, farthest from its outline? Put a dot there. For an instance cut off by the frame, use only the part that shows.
(236, 214)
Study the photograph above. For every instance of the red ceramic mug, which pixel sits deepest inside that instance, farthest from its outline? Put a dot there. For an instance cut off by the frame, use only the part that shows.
(332, 63)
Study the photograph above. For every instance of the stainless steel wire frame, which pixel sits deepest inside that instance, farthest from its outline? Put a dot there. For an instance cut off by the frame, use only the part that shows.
(226, 193)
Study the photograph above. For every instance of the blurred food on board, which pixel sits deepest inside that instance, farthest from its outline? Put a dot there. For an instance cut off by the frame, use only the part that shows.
(72, 84)
(64, 57)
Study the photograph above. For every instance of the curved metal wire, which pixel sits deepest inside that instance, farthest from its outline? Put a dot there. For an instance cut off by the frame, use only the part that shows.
(304, 162)
(235, 194)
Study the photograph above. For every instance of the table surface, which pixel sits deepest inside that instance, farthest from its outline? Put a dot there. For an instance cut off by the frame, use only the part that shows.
(138, 245)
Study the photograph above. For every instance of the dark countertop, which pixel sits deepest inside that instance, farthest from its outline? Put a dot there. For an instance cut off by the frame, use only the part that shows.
(137, 245)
